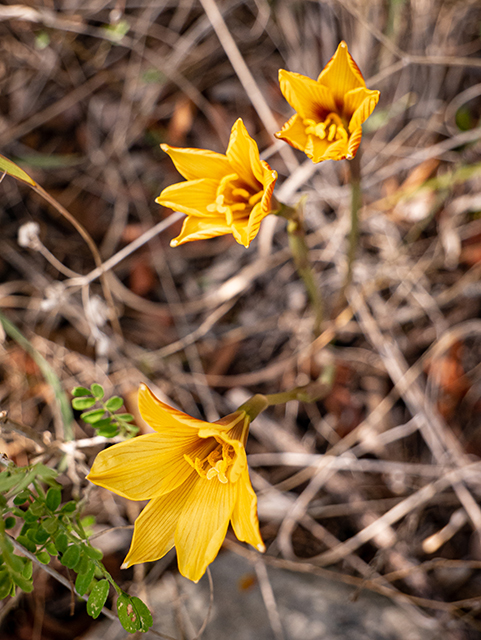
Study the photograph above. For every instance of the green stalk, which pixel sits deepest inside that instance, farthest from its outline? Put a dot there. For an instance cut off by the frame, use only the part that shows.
(356, 201)
(311, 392)
(300, 254)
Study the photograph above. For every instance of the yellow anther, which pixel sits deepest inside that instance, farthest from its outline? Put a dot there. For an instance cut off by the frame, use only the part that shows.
(216, 463)
(332, 128)
(242, 193)
(255, 198)
(238, 206)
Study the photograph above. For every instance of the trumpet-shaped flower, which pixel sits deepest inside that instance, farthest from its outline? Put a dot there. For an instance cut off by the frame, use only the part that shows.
(195, 475)
(330, 112)
(223, 194)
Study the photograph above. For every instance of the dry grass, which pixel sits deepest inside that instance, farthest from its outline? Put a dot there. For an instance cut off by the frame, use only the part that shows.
(382, 480)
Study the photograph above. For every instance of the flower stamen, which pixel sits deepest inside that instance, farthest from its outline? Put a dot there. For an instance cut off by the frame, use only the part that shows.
(216, 464)
(256, 198)
(332, 128)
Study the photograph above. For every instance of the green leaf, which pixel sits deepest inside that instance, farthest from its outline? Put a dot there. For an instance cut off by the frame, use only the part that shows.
(126, 417)
(21, 498)
(84, 563)
(41, 536)
(109, 431)
(5, 584)
(50, 524)
(50, 161)
(69, 507)
(114, 403)
(71, 556)
(7, 481)
(30, 516)
(87, 522)
(24, 584)
(10, 522)
(53, 499)
(52, 549)
(37, 508)
(83, 403)
(94, 553)
(27, 570)
(83, 581)
(47, 474)
(78, 392)
(43, 557)
(104, 423)
(133, 614)
(27, 479)
(97, 598)
(14, 562)
(97, 391)
(14, 170)
(28, 544)
(61, 542)
(31, 531)
(91, 417)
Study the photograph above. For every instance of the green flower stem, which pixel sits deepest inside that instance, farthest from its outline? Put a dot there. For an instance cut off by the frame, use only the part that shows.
(356, 202)
(254, 406)
(311, 392)
(300, 253)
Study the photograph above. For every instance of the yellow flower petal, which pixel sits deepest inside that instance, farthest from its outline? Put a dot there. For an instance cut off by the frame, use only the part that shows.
(162, 417)
(191, 197)
(309, 98)
(294, 133)
(316, 149)
(361, 103)
(202, 525)
(155, 527)
(354, 142)
(257, 216)
(244, 517)
(144, 467)
(243, 156)
(269, 179)
(198, 163)
(195, 228)
(334, 150)
(341, 74)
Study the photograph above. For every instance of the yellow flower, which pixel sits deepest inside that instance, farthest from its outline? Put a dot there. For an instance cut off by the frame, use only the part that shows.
(195, 475)
(330, 112)
(223, 194)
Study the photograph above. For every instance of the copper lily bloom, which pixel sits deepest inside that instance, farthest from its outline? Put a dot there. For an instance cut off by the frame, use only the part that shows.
(330, 111)
(223, 194)
(195, 475)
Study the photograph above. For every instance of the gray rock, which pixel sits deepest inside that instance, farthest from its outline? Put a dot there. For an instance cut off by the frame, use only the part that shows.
(307, 607)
